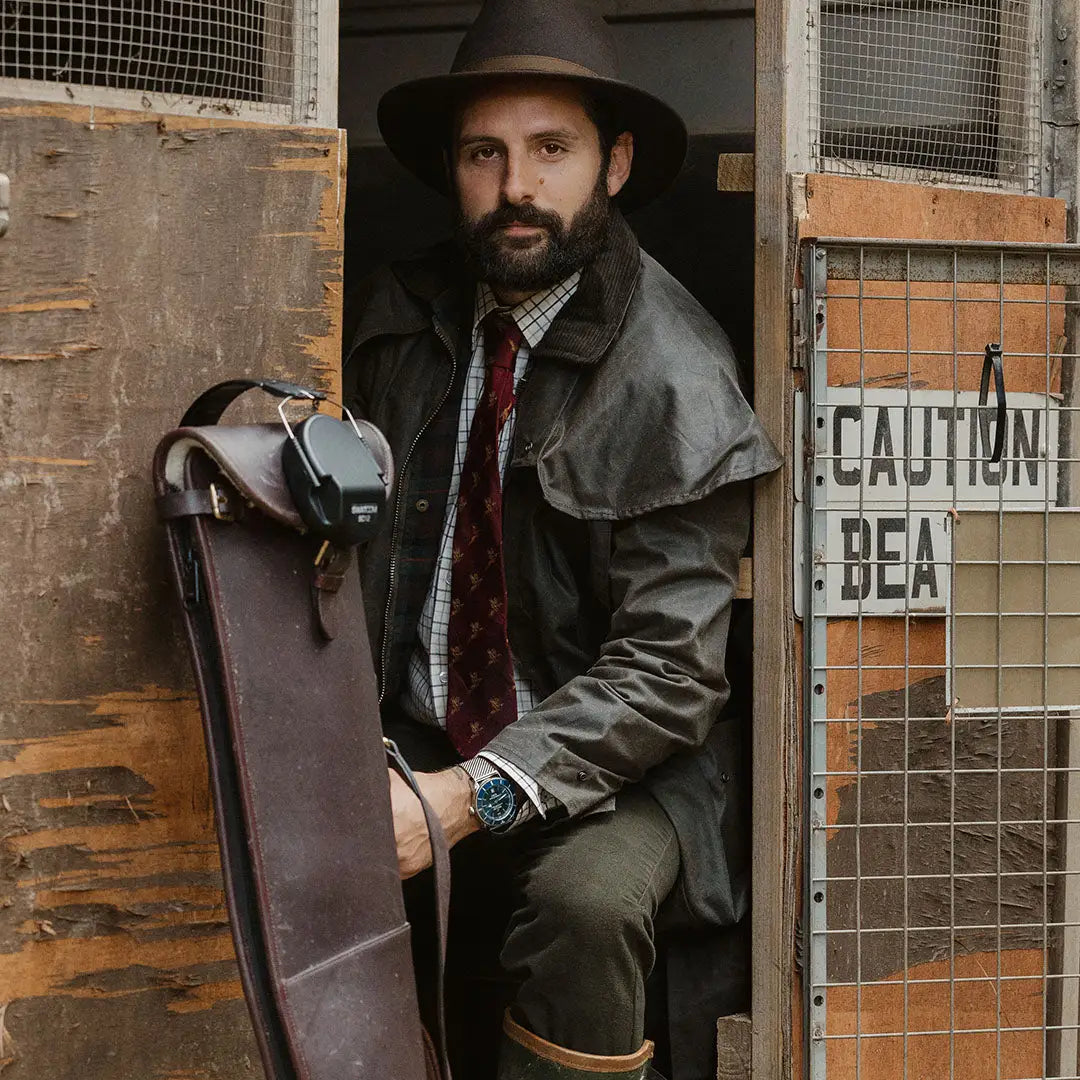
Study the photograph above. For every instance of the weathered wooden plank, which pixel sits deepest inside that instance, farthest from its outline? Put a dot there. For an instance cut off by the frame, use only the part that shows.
(735, 172)
(744, 587)
(147, 258)
(859, 206)
(776, 817)
(733, 1047)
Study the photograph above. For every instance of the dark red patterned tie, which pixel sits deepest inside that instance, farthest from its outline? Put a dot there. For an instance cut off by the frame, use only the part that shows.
(482, 699)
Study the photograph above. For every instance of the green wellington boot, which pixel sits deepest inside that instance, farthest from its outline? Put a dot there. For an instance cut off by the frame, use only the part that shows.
(525, 1056)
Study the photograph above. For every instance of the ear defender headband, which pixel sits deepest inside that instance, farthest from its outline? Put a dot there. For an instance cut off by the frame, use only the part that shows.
(332, 473)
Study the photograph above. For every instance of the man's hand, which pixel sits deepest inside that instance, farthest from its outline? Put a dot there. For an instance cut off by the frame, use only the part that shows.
(450, 795)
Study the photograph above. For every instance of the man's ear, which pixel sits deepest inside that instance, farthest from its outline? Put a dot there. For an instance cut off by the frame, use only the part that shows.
(622, 157)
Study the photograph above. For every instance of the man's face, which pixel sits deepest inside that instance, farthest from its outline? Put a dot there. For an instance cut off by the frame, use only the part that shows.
(533, 191)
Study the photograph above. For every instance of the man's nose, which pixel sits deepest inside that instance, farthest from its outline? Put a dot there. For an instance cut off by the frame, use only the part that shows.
(519, 179)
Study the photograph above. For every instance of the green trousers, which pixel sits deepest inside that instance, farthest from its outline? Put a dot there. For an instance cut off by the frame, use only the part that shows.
(554, 921)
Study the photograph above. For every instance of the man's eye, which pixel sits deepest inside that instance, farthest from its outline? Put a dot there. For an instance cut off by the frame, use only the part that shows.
(552, 149)
(484, 153)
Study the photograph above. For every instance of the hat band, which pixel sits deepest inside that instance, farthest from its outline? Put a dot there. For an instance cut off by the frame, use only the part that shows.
(527, 64)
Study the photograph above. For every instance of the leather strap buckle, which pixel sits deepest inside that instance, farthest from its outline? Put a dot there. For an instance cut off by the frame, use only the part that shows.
(219, 504)
(331, 566)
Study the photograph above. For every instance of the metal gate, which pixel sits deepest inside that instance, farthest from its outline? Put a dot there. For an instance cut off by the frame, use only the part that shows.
(271, 61)
(948, 90)
(940, 597)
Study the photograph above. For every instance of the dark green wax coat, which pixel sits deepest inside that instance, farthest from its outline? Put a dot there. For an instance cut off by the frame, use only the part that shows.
(626, 510)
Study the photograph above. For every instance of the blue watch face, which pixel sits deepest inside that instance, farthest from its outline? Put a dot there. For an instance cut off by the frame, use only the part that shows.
(496, 803)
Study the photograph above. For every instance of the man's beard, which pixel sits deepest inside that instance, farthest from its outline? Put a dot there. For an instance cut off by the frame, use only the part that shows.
(527, 264)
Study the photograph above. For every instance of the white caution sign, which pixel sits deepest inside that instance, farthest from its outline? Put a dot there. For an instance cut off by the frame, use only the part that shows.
(880, 562)
(933, 448)
(894, 468)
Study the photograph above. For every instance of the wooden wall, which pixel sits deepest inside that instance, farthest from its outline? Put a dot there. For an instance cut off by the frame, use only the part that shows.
(147, 258)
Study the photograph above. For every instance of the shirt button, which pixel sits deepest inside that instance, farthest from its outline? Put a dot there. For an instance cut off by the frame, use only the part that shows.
(583, 775)
(528, 446)
(422, 505)
(442, 676)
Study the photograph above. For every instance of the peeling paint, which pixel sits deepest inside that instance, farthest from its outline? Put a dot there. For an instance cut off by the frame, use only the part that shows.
(62, 352)
(45, 967)
(325, 350)
(82, 304)
(116, 850)
(976, 1000)
(880, 641)
(65, 462)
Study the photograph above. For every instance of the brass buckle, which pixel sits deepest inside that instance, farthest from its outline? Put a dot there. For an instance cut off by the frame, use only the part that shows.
(219, 504)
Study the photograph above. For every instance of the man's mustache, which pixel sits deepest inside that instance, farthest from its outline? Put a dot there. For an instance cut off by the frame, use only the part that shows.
(525, 214)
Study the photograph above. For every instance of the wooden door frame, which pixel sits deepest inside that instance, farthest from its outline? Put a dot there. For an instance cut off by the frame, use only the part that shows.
(776, 746)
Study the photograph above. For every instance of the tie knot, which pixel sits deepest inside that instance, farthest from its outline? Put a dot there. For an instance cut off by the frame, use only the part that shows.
(502, 338)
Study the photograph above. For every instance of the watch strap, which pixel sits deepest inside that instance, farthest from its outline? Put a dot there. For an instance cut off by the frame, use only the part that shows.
(480, 769)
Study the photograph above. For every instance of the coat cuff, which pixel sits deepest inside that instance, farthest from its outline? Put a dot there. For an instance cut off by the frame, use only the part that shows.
(486, 764)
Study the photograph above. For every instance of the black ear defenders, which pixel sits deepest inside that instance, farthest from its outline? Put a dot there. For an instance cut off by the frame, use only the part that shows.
(333, 478)
(333, 475)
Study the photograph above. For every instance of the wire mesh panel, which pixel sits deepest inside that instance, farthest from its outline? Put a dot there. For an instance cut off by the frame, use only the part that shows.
(928, 89)
(216, 57)
(941, 608)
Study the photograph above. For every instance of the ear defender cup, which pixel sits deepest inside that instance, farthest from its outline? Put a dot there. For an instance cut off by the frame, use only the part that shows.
(334, 480)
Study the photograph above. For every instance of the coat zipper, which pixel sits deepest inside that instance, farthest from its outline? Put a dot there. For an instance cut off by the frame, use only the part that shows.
(384, 655)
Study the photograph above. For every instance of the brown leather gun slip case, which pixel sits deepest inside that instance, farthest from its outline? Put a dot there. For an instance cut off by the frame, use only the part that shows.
(262, 520)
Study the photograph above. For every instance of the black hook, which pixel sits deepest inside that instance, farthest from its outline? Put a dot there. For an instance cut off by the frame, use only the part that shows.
(994, 361)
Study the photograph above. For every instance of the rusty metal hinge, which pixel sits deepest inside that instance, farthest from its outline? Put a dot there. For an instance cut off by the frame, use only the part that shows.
(798, 328)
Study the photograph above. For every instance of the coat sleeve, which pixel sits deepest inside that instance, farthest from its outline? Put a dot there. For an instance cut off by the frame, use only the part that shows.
(658, 685)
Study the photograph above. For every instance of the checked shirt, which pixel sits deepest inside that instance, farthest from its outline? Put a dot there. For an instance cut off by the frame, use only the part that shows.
(425, 692)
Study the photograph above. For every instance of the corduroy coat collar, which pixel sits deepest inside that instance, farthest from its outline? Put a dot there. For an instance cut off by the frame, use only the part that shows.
(581, 333)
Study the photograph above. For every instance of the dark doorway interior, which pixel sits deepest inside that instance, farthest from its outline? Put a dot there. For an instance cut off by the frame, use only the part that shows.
(704, 238)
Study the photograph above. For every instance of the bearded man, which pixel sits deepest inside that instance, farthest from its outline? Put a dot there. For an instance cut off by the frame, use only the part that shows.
(550, 597)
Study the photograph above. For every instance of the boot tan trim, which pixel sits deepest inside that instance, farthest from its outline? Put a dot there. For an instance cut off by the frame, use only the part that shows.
(595, 1063)
(526, 64)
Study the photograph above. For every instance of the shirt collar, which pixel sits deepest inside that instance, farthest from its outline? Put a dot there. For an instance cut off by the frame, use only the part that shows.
(532, 316)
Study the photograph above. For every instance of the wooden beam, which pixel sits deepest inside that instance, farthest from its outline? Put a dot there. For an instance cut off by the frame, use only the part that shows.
(863, 206)
(733, 1049)
(775, 727)
(744, 588)
(326, 95)
(735, 172)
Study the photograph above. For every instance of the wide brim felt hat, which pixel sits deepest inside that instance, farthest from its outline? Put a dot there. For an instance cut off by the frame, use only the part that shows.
(561, 40)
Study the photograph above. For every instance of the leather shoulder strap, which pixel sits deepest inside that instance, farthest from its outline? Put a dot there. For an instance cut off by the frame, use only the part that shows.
(209, 406)
(440, 853)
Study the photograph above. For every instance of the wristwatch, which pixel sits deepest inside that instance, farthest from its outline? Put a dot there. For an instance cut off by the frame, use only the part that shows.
(495, 801)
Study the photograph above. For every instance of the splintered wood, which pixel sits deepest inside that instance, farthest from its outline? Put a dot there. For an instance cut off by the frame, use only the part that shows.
(147, 258)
